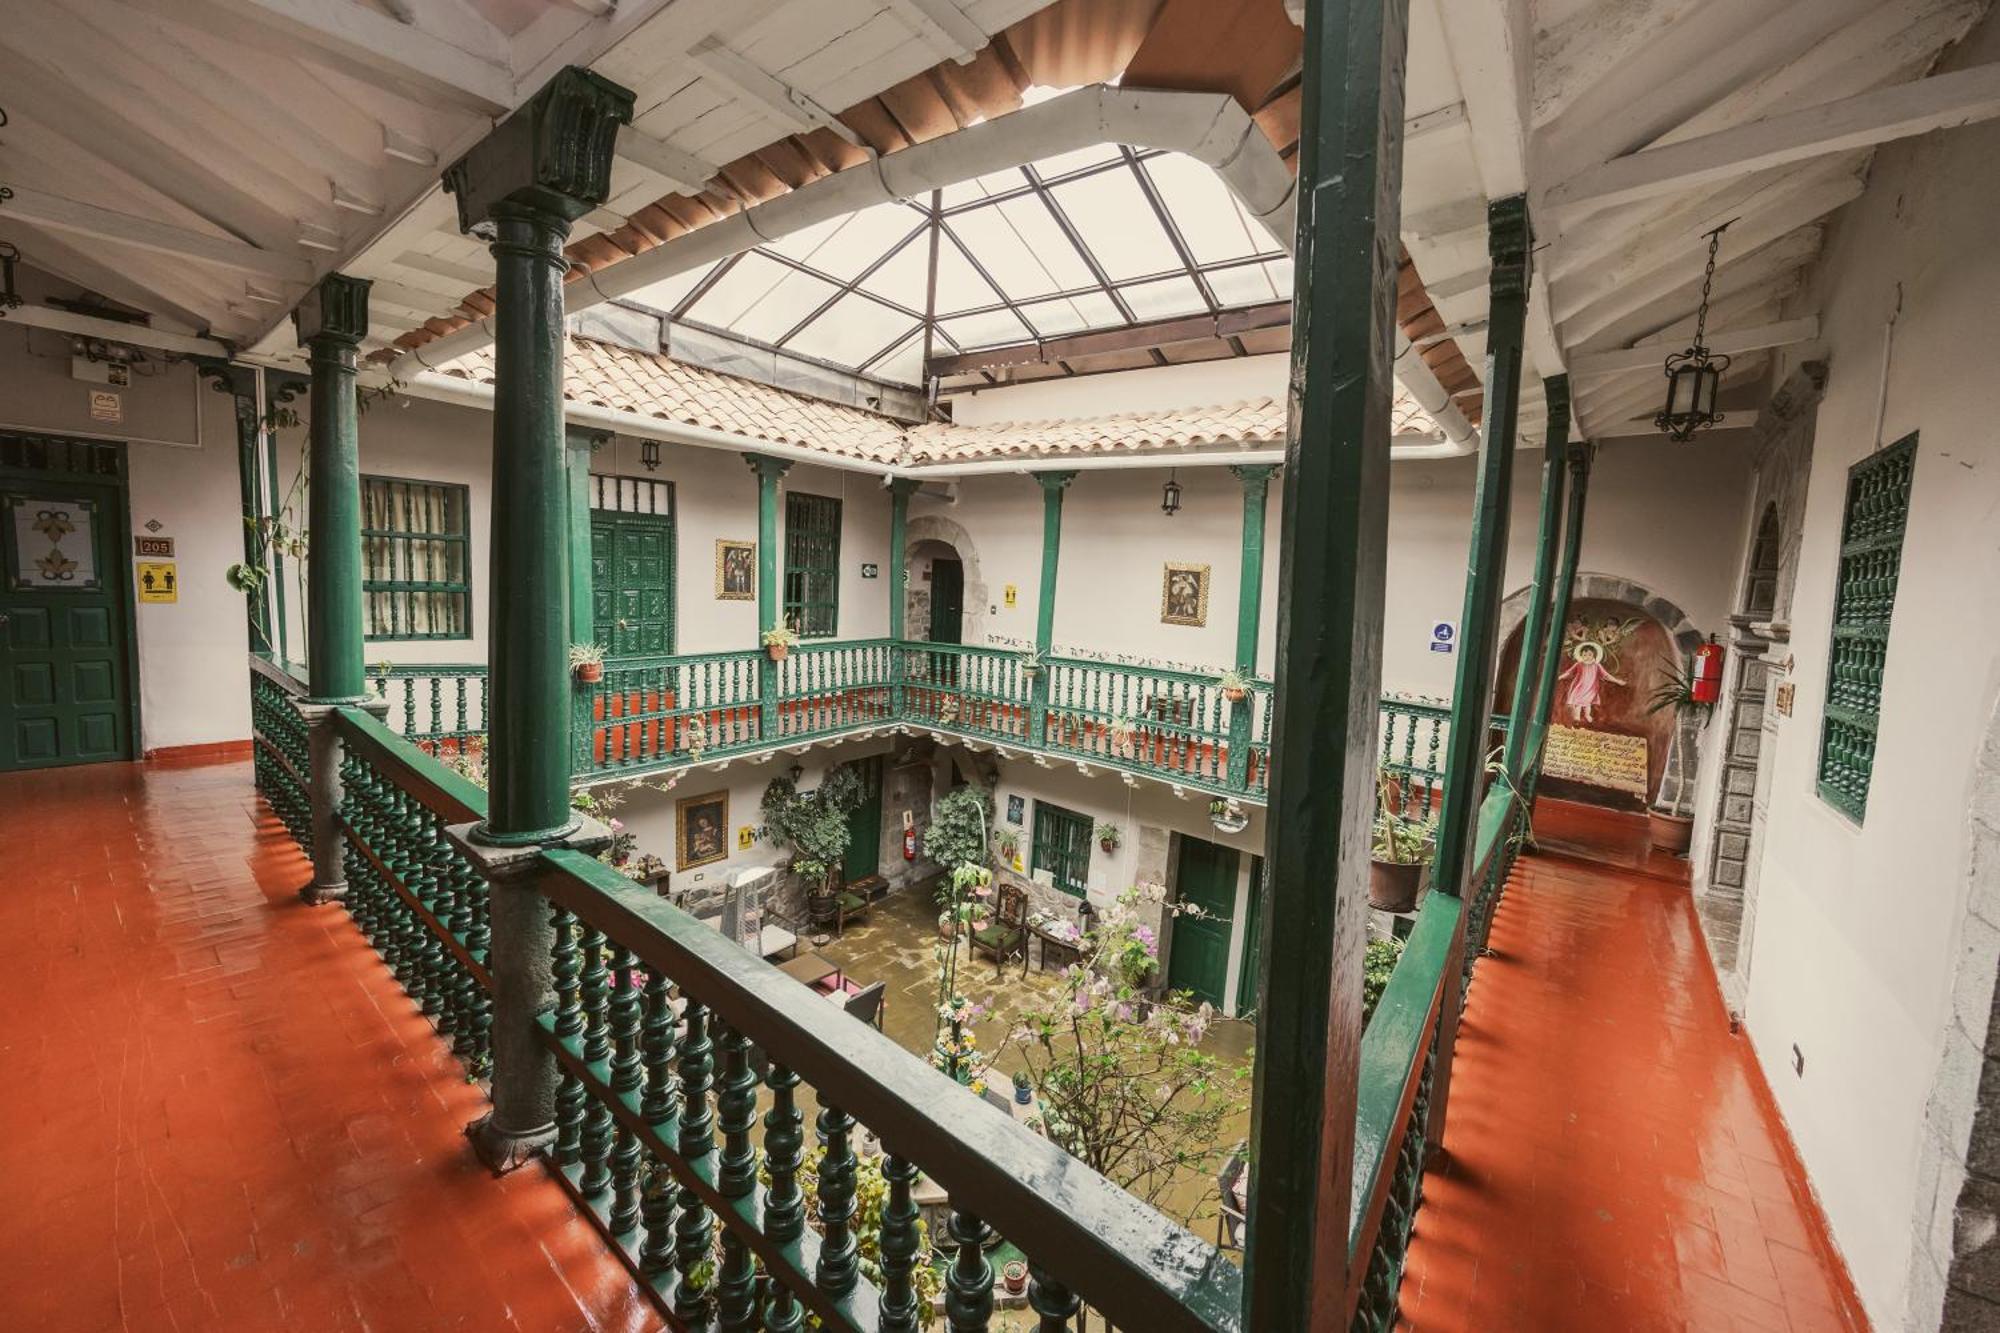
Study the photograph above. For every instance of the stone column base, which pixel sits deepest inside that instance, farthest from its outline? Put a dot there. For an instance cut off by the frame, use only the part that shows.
(323, 758)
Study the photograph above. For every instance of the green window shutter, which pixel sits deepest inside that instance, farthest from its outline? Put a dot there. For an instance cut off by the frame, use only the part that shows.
(812, 564)
(415, 559)
(1871, 560)
(1062, 846)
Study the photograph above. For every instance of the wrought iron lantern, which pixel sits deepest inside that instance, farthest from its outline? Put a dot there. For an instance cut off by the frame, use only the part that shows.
(1694, 377)
(649, 454)
(1170, 495)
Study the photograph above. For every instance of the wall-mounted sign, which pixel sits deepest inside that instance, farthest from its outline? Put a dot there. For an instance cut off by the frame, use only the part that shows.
(745, 835)
(1600, 758)
(868, 571)
(158, 547)
(1785, 694)
(1013, 594)
(1444, 636)
(106, 406)
(157, 581)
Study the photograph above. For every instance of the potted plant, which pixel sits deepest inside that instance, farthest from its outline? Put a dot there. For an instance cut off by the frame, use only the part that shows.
(1031, 664)
(1107, 836)
(1007, 843)
(1024, 1088)
(586, 661)
(1671, 830)
(1123, 730)
(1228, 815)
(1014, 1273)
(1235, 685)
(1399, 851)
(778, 641)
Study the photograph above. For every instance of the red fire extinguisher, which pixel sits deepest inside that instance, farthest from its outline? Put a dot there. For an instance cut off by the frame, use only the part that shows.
(910, 844)
(1706, 678)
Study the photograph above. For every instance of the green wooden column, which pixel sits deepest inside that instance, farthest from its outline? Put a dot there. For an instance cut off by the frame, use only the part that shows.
(770, 596)
(1256, 479)
(582, 444)
(240, 383)
(332, 320)
(519, 189)
(900, 491)
(1053, 485)
(1329, 663)
(1508, 242)
(1578, 459)
(1548, 539)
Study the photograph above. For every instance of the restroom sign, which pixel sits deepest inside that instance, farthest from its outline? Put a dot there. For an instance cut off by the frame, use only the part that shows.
(157, 581)
(1444, 636)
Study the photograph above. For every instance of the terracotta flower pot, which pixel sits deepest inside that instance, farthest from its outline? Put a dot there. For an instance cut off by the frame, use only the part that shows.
(778, 651)
(1015, 1275)
(1235, 694)
(589, 673)
(1393, 887)
(1670, 833)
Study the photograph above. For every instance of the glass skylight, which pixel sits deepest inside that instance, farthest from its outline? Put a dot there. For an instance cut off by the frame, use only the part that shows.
(1100, 238)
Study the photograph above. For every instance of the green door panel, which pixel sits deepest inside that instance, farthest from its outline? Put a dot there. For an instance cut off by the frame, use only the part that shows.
(65, 688)
(1199, 959)
(947, 601)
(632, 583)
(1246, 976)
(864, 825)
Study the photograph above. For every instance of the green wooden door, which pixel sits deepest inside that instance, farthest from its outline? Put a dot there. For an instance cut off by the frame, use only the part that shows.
(1199, 959)
(66, 693)
(1253, 917)
(947, 601)
(864, 824)
(632, 583)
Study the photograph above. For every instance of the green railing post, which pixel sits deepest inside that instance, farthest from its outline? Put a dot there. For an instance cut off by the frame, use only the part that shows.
(1548, 537)
(1565, 584)
(770, 597)
(1256, 479)
(900, 491)
(1329, 664)
(331, 321)
(1508, 241)
(581, 444)
(519, 189)
(1053, 485)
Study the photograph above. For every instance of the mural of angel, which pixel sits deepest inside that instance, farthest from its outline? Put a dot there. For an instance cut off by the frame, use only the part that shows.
(1592, 647)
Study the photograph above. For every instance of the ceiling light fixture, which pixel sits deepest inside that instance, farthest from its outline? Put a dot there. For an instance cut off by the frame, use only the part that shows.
(1694, 377)
(1170, 495)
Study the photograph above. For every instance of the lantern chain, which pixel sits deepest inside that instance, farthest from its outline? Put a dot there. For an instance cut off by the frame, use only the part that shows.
(1707, 282)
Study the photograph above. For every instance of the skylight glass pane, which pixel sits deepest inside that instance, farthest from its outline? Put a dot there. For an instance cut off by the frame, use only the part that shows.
(668, 292)
(1249, 284)
(1019, 243)
(853, 329)
(850, 244)
(1088, 310)
(1210, 220)
(905, 365)
(984, 187)
(959, 285)
(902, 279)
(1111, 213)
(988, 330)
(1163, 299)
(760, 298)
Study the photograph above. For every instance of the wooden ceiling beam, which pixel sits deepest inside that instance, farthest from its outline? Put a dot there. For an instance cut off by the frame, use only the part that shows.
(1727, 342)
(57, 213)
(1130, 338)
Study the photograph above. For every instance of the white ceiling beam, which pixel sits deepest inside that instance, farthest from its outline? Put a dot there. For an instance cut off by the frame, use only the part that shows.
(141, 286)
(1727, 342)
(375, 47)
(785, 103)
(1943, 101)
(556, 39)
(687, 173)
(943, 26)
(1791, 251)
(48, 210)
(111, 330)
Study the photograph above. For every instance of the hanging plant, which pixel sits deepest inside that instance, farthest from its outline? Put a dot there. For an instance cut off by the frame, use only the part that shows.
(1107, 836)
(778, 641)
(1235, 685)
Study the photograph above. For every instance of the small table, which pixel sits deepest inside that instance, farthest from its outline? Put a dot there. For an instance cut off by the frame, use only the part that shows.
(811, 969)
(1069, 951)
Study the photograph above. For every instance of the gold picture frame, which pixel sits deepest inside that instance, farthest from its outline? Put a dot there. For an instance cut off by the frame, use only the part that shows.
(1184, 594)
(701, 830)
(735, 570)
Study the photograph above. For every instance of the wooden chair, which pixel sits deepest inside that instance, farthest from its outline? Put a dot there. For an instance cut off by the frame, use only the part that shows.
(1006, 935)
(1229, 1219)
(867, 1003)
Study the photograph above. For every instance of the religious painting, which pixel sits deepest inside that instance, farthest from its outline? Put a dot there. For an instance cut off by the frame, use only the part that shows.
(1184, 595)
(735, 570)
(701, 829)
(1603, 747)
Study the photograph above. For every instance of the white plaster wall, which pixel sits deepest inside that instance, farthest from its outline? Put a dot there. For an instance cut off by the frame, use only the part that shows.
(1858, 927)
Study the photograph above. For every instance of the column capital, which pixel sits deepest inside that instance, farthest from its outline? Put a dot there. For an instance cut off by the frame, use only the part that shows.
(1510, 240)
(766, 466)
(1555, 392)
(228, 377)
(552, 155)
(1579, 458)
(1054, 483)
(1254, 475)
(586, 438)
(335, 310)
(904, 485)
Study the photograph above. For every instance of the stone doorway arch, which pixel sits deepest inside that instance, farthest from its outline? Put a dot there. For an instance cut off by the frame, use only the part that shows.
(926, 538)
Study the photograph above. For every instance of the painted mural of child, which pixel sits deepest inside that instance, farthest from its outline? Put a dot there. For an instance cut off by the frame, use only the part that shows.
(1587, 687)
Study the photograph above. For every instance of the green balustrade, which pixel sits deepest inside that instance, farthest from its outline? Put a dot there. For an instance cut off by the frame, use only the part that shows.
(279, 747)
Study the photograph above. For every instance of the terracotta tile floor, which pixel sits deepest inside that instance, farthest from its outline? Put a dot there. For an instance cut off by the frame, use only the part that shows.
(221, 1113)
(1614, 1159)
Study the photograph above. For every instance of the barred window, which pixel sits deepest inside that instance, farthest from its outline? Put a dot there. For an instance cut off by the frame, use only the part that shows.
(416, 562)
(1062, 846)
(812, 564)
(1871, 561)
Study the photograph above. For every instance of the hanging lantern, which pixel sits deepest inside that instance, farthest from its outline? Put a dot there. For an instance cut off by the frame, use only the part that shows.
(1170, 496)
(1694, 377)
(649, 454)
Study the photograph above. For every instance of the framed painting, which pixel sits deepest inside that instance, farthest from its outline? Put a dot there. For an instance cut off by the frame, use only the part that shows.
(701, 830)
(1184, 595)
(735, 570)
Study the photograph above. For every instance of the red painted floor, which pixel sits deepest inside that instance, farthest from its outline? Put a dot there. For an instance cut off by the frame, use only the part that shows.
(220, 1111)
(1613, 1157)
